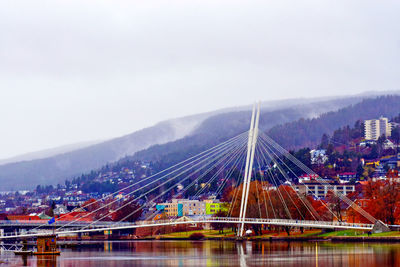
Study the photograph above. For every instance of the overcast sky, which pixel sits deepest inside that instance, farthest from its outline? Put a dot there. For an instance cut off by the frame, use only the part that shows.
(82, 70)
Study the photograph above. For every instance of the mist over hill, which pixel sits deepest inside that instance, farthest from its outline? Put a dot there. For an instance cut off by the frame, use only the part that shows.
(54, 169)
(298, 132)
(169, 140)
(48, 152)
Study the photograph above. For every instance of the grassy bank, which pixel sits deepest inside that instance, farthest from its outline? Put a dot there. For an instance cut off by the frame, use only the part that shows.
(306, 235)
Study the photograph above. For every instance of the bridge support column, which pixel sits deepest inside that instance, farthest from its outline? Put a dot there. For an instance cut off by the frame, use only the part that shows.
(251, 144)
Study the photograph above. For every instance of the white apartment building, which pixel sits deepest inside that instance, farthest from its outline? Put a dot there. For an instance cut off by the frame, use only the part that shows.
(375, 128)
(321, 190)
(191, 207)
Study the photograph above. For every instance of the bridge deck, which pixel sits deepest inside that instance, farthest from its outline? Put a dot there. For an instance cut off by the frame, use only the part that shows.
(228, 220)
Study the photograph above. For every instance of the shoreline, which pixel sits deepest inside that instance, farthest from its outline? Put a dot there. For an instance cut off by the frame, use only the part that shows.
(388, 239)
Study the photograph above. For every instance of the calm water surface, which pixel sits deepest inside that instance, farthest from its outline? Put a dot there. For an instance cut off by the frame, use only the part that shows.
(217, 253)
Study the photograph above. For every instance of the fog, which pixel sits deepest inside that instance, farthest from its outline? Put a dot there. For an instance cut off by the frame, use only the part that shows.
(86, 70)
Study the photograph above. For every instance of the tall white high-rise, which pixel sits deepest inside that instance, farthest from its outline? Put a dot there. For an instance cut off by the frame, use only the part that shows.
(373, 129)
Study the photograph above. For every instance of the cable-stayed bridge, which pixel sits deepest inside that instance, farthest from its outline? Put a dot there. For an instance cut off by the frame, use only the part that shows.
(259, 173)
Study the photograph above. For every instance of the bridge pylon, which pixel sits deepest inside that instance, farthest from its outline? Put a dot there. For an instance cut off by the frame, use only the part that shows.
(251, 146)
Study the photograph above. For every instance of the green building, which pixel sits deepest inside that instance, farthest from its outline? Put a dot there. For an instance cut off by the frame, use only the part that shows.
(214, 207)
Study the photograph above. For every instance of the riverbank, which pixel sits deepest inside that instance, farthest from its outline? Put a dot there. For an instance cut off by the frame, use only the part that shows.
(311, 235)
(229, 235)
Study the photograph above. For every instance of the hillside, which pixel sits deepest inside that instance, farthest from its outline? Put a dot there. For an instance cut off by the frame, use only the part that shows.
(167, 142)
(291, 135)
(54, 169)
(46, 153)
(308, 132)
(177, 136)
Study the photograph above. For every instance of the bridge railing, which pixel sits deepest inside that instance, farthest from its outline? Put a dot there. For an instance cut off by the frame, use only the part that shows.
(292, 221)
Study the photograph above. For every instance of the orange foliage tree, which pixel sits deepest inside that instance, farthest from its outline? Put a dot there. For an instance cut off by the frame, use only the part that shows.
(266, 201)
(384, 200)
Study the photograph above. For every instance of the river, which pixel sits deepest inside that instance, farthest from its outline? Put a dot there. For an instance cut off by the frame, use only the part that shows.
(216, 253)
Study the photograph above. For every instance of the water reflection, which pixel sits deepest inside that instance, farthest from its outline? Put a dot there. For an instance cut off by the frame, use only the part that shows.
(218, 253)
(46, 260)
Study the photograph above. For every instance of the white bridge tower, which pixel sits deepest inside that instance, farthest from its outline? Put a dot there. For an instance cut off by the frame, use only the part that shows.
(251, 146)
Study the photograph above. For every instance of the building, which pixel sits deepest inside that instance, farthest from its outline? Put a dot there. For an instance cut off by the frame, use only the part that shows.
(192, 207)
(186, 207)
(387, 144)
(213, 206)
(392, 162)
(318, 190)
(375, 128)
(181, 207)
(60, 209)
(347, 176)
(367, 143)
(308, 177)
(318, 156)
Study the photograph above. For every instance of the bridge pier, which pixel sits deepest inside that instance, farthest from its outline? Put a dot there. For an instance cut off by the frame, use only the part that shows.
(380, 227)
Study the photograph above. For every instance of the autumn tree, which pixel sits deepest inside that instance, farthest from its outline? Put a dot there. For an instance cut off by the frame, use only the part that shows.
(91, 205)
(128, 212)
(219, 225)
(256, 207)
(384, 199)
(283, 202)
(335, 204)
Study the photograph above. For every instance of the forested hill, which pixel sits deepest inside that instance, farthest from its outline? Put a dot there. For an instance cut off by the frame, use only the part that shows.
(308, 132)
(208, 132)
(298, 133)
(193, 134)
(295, 134)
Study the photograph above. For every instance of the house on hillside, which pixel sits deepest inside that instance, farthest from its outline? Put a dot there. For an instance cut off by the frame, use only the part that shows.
(60, 209)
(391, 162)
(365, 143)
(347, 176)
(318, 156)
(387, 144)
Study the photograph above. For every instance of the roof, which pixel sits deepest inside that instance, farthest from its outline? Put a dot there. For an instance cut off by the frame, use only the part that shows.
(23, 218)
(76, 216)
(44, 216)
